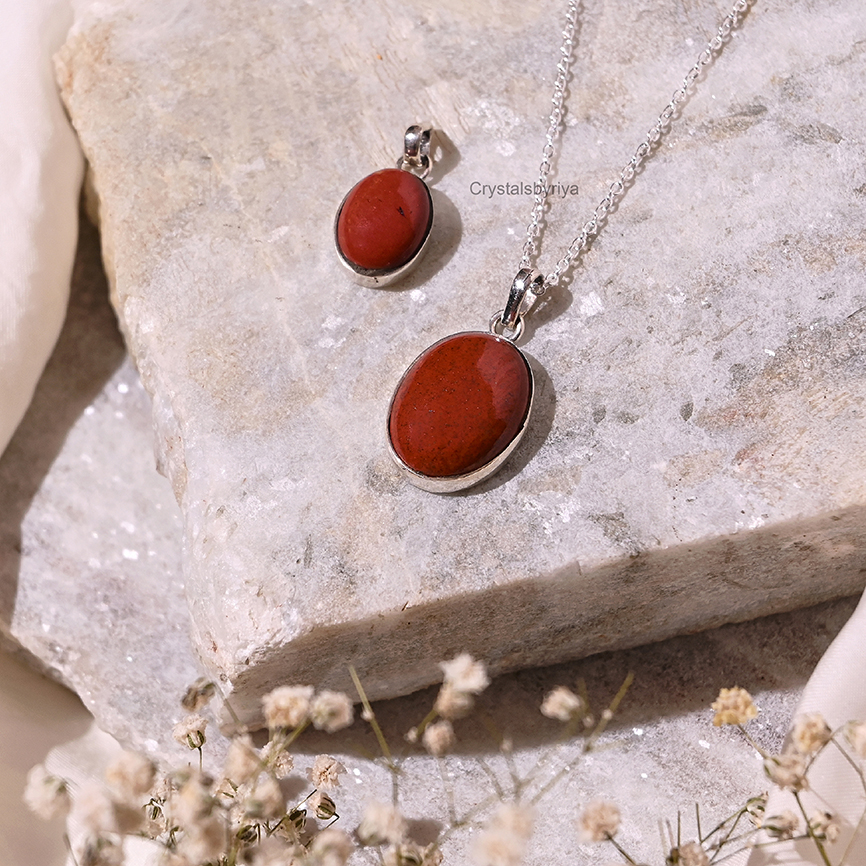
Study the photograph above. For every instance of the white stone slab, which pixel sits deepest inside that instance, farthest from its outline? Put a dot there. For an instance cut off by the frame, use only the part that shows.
(696, 455)
(90, 572)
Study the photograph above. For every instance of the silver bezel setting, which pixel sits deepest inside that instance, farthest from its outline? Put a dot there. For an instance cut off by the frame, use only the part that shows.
(456, 483)
(378, 278)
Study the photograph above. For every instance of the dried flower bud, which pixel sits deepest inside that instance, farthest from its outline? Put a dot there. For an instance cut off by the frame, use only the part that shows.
(782, 826)
(451, 703)
(331, 711)
(692, 854)
(192, 802)
(324, 808)
(382, 823)
(599, 821)
(325, 772)
(287, 706)
(503, 842)
(205, 841)
(190, 731)
(811, 732)
(412, 854)
(562, 704)
(46, 795)
(855, 734)
(130, 777)
(411, 736)
(94, 810)
(277, 759)
(787, 770)
(331, 847)
(734, 707)
(439, 738)
(824, 825)
(242, 760)
(198, 695)
(265, 799)
(465, 674)
(755, 807)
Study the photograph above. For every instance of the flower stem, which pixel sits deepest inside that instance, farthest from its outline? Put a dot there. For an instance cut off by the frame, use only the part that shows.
(811, 832)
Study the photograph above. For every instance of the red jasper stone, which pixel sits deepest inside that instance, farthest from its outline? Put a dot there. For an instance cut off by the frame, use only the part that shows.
(384, 220)
(460, 405)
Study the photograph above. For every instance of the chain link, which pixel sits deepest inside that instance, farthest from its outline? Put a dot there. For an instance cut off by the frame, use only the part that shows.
(615, 191)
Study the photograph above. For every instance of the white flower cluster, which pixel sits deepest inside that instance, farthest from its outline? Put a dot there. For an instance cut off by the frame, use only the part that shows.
(290, 707)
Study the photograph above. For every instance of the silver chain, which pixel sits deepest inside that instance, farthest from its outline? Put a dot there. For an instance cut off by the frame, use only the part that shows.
(615, 191)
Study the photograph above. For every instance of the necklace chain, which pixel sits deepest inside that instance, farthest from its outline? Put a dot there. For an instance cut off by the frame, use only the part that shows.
(615, 191)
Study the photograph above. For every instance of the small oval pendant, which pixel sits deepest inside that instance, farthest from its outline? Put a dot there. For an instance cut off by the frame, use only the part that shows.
(382, 226)
(459, 411)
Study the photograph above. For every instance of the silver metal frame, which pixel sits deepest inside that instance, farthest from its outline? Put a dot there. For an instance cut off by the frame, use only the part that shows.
(455, 483)
(372, 279)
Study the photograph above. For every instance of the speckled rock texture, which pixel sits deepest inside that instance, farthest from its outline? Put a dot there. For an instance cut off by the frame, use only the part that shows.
(696, 451)
(90, 574)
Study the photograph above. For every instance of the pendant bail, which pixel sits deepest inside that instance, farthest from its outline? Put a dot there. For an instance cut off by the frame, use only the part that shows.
(416, 151)
(525, 291)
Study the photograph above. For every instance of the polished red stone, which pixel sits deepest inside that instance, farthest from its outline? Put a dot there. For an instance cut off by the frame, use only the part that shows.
(460, 405)
(384, 220)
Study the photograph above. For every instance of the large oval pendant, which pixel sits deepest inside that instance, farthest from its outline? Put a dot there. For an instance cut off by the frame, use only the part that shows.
(459, 411)
(382, 226)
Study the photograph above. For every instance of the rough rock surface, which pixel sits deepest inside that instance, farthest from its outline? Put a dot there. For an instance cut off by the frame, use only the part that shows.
(90, 571)
(696, 455)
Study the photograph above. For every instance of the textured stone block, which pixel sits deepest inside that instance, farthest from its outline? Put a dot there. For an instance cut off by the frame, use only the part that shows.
(696, 451)
(90, 572)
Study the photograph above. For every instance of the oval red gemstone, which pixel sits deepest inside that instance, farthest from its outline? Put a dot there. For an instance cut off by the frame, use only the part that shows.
(460, 405)
(384, 220)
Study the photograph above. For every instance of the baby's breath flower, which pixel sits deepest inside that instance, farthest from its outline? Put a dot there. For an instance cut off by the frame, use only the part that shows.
(503, 841)
(411, 736)
(412, 854)
(277, 759)
(46, 795)
(755, 807)
(94, 809)
(192, 802)
(129, 777)
(331, 847)
(322, 806)
(273, 851)
(466, 674)
(382, 823)
(287, 706)
(198, 695)
(190, 731)
(325, 772)
(811, 731)
(692, 854)
(734, 707)
(562, 704)
(451, 703)
(242, 760)
(265, 799)
(855, 734)
(331, 711)
(787, 770)
(824, 825)
(783, 826)
(206, 840)
(599, 821)
(439, 737)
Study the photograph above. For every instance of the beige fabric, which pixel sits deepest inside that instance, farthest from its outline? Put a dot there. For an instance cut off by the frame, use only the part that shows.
(40, 177)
